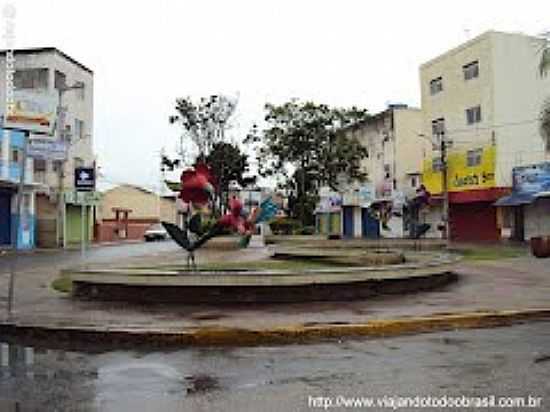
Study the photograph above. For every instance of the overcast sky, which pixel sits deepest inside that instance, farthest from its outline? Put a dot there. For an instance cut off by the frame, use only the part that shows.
(144, 54)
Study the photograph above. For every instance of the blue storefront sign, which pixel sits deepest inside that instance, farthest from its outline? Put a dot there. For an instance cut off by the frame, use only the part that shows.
(529, 183)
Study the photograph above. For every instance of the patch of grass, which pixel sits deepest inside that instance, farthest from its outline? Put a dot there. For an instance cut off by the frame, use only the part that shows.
(491, 253)
(63, 284)
(267, 264)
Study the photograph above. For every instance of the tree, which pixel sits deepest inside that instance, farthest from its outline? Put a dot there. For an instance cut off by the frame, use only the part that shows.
(312, 138)
(544, 64)
(204, 122)
(544, 68)
(544, 124)
(228, 164)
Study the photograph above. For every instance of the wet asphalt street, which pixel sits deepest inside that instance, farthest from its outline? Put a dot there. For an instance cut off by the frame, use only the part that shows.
(504, 362)
(48, 258)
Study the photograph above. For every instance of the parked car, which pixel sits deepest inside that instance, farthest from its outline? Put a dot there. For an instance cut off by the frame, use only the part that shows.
(155, 232)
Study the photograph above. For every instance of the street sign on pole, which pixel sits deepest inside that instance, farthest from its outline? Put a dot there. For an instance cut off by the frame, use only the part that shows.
(84, 179)
(43, 148)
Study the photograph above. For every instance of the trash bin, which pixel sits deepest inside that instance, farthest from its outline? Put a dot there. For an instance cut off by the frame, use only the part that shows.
(540, 246)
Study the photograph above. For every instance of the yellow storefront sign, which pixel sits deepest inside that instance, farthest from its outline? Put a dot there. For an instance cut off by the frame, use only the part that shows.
(481, 175)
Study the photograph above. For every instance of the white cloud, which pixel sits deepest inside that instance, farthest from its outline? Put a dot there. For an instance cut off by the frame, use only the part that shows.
(145, 54)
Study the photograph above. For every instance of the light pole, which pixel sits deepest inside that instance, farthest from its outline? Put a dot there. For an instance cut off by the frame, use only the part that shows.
(442, 143)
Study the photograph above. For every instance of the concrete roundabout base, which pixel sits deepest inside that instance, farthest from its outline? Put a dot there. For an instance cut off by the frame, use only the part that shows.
(425, 271)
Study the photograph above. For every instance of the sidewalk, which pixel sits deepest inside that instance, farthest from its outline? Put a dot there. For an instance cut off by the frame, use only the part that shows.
(515, 284)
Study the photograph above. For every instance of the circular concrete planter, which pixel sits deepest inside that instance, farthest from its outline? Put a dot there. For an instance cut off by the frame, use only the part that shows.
(343, 283)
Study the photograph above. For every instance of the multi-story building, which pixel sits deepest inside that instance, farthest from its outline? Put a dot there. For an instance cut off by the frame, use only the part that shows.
(484, 97)
(48, 73)
(393, 165)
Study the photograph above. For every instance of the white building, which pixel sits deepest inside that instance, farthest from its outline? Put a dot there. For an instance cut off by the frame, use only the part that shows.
(48, 72)
(393, 165)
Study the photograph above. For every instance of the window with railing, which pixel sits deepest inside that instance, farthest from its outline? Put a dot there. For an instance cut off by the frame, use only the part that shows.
(31, 79)
(471, 70)
(473, 115)
(473, 157)
(438, 126)
(436, 85)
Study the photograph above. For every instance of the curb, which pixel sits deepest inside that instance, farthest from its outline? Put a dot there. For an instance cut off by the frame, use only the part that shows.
(219, 336)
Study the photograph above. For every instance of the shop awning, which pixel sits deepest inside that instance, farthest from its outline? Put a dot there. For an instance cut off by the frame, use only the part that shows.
(515, 199)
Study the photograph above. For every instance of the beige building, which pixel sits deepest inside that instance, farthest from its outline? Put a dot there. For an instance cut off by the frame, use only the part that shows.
(486, 96)
(393, 164)
(395, 150)
(126, 211)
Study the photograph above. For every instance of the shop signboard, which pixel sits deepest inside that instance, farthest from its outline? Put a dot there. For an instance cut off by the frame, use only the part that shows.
(47, 149)
(32, 111)
(462, 174)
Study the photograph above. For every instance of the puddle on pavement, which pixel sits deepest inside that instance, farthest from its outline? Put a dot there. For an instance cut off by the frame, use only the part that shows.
(31, 378)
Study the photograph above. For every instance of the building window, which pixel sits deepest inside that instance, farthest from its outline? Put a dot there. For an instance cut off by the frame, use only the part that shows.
(31, 79)
(39, 165)
(60, 80)
(436, 86)
(413, 181)
(471, 70)
(473, 115)
(81, 92)
(438, 126)
(15, 156)
(78, 129)
(437, 164)
(473, 157)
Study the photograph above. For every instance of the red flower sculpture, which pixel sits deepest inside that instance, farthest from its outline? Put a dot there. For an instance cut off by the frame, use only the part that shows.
(235, 219)
(197, 185)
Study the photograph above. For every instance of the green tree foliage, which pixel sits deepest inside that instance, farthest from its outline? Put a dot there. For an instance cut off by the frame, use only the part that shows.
(312, 138)
(228, 164)
(545, 123)
(544, 64)
(204, 122)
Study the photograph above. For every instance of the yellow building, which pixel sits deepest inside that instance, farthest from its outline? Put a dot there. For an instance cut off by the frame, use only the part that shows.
(484, 96)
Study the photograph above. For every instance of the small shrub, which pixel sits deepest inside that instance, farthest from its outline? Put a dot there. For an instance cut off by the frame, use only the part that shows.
(285, 226)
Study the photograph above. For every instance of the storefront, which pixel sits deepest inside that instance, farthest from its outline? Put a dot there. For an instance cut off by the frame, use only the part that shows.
(526, 211)
(5, 217)
(79, 216)
(328, 214)
(472, 193)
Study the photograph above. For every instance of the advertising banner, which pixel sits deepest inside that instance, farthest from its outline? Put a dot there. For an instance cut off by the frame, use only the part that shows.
(462, 177)
(532, 179)
(33, 112)
(47, 149)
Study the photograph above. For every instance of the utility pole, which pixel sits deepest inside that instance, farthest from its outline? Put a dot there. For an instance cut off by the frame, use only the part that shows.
(443, 143)
(61, 207)
(16, 229)
(443, 146)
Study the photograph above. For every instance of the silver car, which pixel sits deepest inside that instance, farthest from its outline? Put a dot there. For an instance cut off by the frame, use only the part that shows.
(155, 232)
